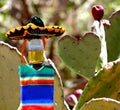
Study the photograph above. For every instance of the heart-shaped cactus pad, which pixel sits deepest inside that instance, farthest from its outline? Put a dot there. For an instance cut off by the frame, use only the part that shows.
(81, 55)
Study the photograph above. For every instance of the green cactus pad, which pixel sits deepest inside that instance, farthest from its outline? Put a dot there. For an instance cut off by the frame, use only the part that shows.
(9, 78)
(59, 102)
(80, 55)
(113, 36)
(105, 84)
(101, 104)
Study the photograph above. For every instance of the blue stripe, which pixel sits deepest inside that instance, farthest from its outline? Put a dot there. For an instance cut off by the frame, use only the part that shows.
(37, 93)
(41, 102)
(37, 75)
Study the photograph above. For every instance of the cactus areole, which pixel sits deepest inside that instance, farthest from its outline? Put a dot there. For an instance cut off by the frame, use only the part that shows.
(36, 78)
(97, 12)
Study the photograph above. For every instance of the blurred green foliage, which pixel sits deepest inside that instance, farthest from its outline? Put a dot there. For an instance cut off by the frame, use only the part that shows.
(72, 14)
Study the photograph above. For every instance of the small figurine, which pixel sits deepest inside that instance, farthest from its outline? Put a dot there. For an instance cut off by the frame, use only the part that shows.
(37, 76)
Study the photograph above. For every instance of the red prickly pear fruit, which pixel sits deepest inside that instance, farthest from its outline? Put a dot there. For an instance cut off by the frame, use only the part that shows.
(71, 99)
(78, 93)
(98, 12)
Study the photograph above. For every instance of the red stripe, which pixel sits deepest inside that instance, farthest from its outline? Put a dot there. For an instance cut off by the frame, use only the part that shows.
(35, 107)
(37, 82)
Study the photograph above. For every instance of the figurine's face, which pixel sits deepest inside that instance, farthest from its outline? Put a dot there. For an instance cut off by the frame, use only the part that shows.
(35, 51)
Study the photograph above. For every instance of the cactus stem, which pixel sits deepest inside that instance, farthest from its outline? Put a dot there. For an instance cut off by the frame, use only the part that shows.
(98, 29)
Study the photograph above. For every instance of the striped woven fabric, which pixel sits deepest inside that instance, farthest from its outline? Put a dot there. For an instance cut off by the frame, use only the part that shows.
(37, 87)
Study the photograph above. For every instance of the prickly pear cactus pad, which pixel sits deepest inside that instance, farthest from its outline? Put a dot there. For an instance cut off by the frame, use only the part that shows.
(101, 104)
(80, 55)
(9, 78)
(59, 103)
(113, 36)
(105, 84)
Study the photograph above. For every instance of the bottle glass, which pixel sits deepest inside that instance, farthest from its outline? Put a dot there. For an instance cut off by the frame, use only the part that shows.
(35, 51)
